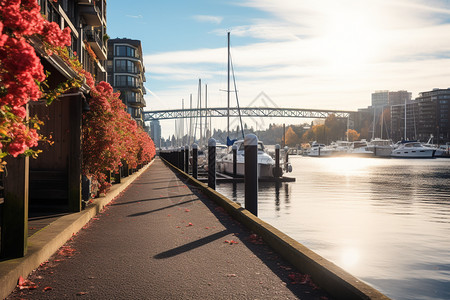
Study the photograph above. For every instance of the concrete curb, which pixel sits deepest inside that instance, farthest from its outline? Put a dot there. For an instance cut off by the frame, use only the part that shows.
(48, 240)
(336, 281)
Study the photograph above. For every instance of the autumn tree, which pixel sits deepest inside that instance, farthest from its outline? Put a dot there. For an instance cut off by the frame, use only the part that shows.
(291, 137)
(353, 135)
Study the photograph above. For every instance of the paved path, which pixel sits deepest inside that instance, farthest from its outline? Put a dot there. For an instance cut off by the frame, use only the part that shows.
(162, 239)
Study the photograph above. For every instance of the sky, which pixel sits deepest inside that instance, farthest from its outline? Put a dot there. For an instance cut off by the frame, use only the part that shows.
(319, 54)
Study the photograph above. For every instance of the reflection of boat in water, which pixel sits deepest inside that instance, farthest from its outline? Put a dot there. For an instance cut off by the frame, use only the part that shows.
(413, 149)
(266, 164)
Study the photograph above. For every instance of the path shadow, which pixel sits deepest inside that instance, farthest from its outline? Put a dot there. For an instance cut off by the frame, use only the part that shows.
(192, 245)
(151, 199)
(162, 208)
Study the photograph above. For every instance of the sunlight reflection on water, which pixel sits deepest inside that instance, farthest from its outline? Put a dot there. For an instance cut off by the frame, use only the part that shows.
(386, 221)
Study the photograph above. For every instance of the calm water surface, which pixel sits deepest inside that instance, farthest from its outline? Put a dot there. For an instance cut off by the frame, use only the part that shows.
(386, 221)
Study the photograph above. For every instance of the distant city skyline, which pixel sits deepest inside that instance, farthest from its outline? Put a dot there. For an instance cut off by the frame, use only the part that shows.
(303, 54)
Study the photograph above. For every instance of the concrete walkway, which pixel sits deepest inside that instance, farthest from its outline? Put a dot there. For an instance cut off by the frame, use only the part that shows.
(163, 239)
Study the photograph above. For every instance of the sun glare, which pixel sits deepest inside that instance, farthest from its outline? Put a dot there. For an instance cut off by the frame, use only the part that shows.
(349, 40)
(349, 257)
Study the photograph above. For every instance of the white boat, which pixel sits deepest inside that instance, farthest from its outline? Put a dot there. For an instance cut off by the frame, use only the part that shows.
(266, 164)
(441, 150)
(444, 150)
(412, 149)
(360, 149)
(381, 147)
(318, 150)
(340, 147)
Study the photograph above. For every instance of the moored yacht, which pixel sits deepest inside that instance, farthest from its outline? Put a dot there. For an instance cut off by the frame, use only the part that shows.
(412, 149)
(381, 147)
(318, 150)
(266, 164)
(360, 149)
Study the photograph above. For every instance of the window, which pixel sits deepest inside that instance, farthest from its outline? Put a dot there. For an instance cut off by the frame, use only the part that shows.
(122, 50)
(124, 80)
(121, 65)
(121, 80)
(109, 66)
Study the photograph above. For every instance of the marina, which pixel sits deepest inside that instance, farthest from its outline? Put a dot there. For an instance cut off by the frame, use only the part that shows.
(385, 221)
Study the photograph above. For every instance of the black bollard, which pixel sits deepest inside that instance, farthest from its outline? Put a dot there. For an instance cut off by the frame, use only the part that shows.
(181, 158)
(186, 159)
(212, 163)
(234, 149)
(251, 173)
(194, 161)
(277, 172)
(287, 165)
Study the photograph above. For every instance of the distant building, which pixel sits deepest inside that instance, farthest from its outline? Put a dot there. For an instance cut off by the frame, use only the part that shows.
(388, 98)
(434, 115)
(155, 133)
(428, 115)
(126, 73)
(399, 97)
(380, 98)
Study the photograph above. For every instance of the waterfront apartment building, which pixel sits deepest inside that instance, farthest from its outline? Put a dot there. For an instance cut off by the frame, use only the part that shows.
(428, 115)
(126, 73)
(87, 22)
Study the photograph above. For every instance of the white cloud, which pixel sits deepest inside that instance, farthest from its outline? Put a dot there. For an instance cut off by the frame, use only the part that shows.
(208, 19)
(135, 16)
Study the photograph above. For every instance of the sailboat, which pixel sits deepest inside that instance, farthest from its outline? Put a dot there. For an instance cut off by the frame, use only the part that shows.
(266, 164)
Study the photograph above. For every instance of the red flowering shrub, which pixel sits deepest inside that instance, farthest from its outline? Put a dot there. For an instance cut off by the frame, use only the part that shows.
(111, 135)
(21, 71)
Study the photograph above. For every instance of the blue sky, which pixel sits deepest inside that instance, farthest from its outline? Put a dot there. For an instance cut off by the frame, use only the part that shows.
(322, 54)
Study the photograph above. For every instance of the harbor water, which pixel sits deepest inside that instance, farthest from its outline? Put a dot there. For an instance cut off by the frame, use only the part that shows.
(385, 221)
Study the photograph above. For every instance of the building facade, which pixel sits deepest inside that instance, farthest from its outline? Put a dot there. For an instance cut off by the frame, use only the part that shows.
(126, 73)
(426, 117)
(380, 98)
(87, 22)
(434, 115)
(155, 133)
(399, 97)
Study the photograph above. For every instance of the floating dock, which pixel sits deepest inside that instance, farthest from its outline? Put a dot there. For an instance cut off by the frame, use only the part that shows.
(224, 178)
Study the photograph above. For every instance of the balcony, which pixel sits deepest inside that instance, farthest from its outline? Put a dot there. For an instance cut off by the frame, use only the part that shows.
(90, 13)
(94, 40)
(137, 101)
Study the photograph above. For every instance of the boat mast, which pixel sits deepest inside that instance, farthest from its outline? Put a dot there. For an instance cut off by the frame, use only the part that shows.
(405, 123)
(206, 112)
(382, 120)
(373, 123)
(200, 108)
(190, 120)
(228, 88)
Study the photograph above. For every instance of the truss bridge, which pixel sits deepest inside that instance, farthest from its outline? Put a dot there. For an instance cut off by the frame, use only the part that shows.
(245, 112)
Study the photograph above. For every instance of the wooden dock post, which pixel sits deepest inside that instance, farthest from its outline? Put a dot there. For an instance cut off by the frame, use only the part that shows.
(15, 208)
(212, 163)
(251, 173)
